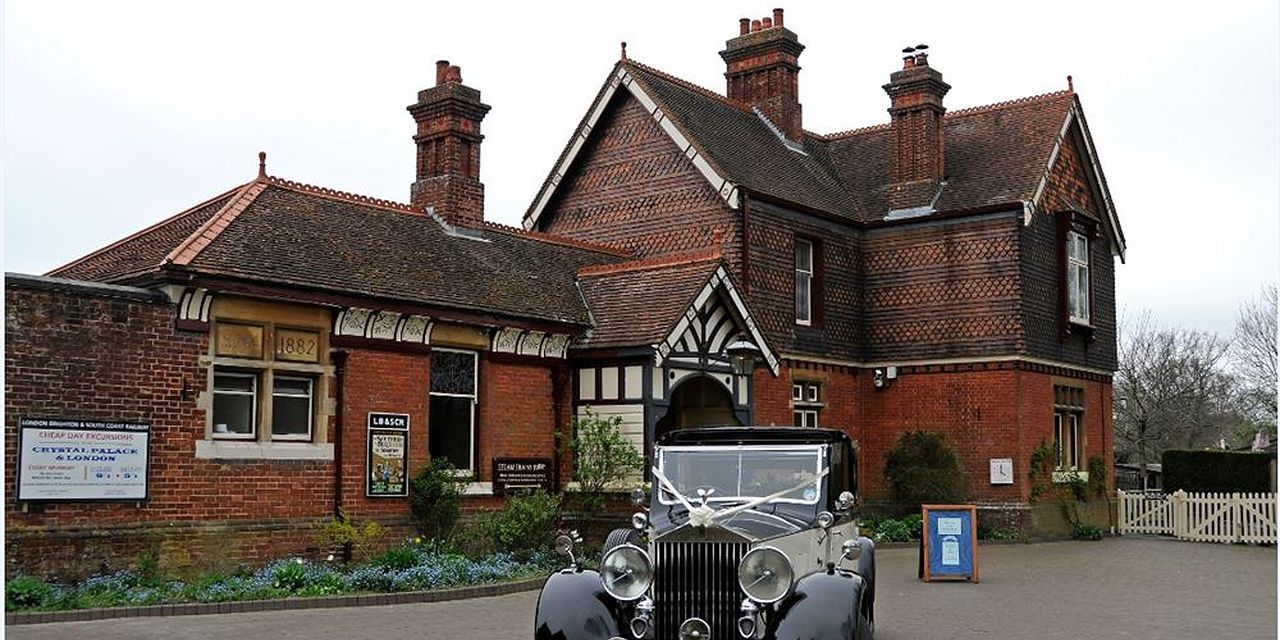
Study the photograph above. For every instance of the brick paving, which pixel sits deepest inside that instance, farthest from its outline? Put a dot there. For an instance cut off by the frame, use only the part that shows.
(1132, 588)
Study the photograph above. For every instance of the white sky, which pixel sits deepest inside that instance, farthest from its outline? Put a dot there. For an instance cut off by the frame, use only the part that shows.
(118, 114)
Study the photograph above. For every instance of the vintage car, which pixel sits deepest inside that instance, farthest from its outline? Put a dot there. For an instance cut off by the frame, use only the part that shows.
(749, 533)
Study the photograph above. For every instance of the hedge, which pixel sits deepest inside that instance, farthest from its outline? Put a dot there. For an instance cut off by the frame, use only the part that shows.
(1217, 471)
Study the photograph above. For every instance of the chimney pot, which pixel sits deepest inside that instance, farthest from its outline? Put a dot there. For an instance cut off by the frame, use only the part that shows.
(777, 17)
(766, 22)
(744, 26)
(755, 26)
(442, 70)
(455, 74)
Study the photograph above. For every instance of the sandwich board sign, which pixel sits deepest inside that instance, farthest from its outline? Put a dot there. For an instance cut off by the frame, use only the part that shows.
(949, 546)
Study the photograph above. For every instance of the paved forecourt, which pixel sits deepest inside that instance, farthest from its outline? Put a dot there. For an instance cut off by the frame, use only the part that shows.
(1117, 588)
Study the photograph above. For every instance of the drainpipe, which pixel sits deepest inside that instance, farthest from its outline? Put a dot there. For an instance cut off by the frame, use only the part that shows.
(339, 374)
(559, 379)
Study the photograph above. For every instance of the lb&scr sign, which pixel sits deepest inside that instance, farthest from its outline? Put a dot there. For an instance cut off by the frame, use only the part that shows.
(67, 459)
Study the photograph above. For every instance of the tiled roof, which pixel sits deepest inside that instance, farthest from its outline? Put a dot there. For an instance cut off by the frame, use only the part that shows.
(742, 145)
(143, 251)
(637, 303)
(279, 232)
(995, 154)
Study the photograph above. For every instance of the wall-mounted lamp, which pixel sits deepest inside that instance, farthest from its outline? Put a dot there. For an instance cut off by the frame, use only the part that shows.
(883, 376)
(742, 356)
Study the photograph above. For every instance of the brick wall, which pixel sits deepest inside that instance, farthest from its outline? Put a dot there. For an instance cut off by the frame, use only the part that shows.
(74, 352)
(633, 188)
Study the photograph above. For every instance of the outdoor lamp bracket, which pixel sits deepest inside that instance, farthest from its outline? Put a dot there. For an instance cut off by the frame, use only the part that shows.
(742, 356)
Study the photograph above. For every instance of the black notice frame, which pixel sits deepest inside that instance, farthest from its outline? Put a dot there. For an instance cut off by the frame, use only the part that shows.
(395, 425)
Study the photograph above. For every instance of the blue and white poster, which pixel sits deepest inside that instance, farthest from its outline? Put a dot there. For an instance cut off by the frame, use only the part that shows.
(951, 542)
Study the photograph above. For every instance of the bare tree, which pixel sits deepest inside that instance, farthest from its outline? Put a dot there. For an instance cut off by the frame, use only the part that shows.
(1170, 389)
(1254, 354)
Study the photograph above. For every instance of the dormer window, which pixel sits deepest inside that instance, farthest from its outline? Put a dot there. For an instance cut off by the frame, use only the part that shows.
(1077, 277)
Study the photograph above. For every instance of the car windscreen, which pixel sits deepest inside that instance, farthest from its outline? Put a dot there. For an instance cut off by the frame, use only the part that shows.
(739, 473)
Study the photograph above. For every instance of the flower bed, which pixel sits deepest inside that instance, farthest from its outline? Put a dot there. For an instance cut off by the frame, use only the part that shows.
(408, 568)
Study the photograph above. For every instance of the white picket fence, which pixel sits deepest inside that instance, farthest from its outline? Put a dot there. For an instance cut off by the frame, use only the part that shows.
(1201, 517)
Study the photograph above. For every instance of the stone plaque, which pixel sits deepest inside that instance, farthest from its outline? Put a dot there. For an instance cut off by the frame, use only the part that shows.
(299, 346)
(239, 340)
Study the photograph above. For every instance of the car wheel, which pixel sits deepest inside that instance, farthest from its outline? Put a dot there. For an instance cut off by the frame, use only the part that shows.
(866, 629)
(619, 537)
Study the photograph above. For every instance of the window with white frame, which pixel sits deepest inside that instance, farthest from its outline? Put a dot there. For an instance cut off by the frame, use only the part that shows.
(804, 281)
(452, 414)
(1077, 277)
(235, 405)
(1068, 416)
(806, 400)
(291, 407)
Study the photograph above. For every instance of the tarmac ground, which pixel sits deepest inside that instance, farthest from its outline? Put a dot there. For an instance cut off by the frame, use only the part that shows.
(1129, 587)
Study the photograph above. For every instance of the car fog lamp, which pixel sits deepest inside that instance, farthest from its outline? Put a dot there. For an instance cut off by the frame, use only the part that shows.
(765, 574)
(640, 520)
(626, 572)
(695, 629)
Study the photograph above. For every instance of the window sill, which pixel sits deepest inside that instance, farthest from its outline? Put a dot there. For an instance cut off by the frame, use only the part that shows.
(242, 450)
(1063, 477)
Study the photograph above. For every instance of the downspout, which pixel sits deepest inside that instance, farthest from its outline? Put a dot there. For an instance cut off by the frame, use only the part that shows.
(559, 373)
(339, 374)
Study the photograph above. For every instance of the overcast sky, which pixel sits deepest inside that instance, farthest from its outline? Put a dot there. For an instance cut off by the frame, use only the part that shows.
(118, 114)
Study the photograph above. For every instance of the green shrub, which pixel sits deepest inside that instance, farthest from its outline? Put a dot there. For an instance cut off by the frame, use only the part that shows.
(289, 577)
(1038, 471)
(1216, 471)
(397, 558)
(26, 592)
(886, 529)
(922, 469)
(434, 498)
(1081, 531)
(362, 536)
(525, 524)
(602, 457)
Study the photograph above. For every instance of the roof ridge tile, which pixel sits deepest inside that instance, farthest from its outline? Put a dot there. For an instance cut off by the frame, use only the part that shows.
(646, 264)
(688, 85)
(203, 236)
(551, 238)
(967, 111)
(342, 195)
(137, 234)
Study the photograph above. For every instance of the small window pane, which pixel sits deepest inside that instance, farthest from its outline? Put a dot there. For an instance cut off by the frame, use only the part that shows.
(453, 372)
(291, 407)
(813, 393)
(1057, 440)
(804, 256)
(449, 429)
(234, 400)
(802, 297)
(797, 392)
(233, 382)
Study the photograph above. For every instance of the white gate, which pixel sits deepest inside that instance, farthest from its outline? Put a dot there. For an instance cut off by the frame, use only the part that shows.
(1201, 517)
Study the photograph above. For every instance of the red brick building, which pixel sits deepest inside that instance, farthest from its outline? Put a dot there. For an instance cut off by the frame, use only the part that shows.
(293, 350)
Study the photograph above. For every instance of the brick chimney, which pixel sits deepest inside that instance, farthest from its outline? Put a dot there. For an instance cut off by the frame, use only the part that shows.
(919, 155)
(448, 177)
(762, 71)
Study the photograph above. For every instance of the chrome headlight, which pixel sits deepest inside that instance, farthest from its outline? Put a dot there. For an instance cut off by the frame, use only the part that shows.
(765, 574)
(626, 572)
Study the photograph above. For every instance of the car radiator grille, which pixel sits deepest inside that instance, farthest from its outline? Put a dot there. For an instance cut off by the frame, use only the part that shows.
(695, 578)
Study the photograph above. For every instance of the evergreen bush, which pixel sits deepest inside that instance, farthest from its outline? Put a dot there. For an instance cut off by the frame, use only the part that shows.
(922, 469)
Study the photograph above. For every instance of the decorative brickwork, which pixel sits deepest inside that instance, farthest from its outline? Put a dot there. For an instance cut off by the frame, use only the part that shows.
(628, 186)
(943, 290)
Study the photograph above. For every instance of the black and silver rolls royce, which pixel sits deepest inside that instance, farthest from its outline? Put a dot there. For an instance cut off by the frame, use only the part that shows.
(749, 533)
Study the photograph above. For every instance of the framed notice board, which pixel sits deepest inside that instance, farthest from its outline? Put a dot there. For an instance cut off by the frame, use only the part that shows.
(949, 546)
